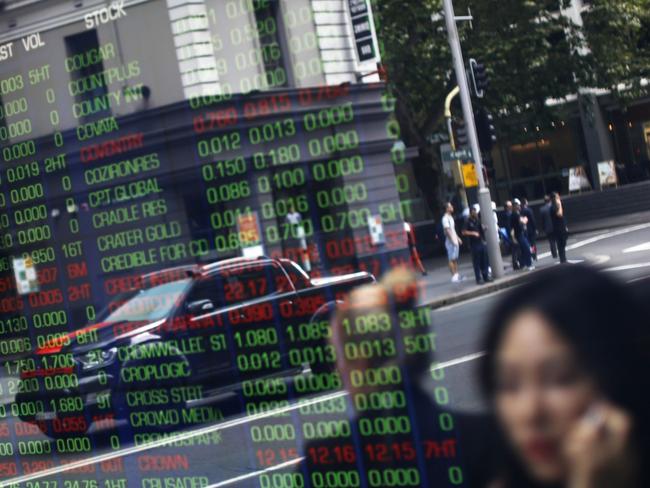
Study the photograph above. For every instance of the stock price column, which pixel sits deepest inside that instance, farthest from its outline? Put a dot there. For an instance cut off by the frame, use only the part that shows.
(44, 308)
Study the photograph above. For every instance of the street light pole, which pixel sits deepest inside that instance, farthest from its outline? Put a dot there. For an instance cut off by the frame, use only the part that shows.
(450, 97)
(456, 169)
(484, 199)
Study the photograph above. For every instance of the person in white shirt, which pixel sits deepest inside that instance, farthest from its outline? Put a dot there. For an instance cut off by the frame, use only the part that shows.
(298, 232)
(452, 242)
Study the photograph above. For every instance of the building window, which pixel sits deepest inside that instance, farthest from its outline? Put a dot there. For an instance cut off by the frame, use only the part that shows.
(87, 73)
(272, 48)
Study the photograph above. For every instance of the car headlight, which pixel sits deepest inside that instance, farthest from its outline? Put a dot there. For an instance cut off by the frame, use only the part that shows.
(97, 358)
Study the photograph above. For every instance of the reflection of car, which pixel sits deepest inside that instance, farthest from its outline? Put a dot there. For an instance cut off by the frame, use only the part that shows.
(184, 340)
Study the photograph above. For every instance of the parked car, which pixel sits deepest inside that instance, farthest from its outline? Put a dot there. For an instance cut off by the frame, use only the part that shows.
(185, 339)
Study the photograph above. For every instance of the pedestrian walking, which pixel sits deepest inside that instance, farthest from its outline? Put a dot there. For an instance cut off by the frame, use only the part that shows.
(560, 229)
(547, 222)
(531, 227)
(519, 235)
(452, 242)
(475, 232)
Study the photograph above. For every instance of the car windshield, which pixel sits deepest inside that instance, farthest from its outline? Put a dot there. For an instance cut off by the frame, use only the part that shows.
(147, 304)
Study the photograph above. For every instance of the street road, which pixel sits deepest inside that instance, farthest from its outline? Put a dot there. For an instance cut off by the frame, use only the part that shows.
(625, 252)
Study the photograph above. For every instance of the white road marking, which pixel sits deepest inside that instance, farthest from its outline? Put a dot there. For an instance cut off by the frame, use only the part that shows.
(168, 440)
(460, 360)
(599, 237)
(437, 366)
(627, 267)
(254, 474)
(607, 235)
(596, 259)
(640, 278)
(641, 247)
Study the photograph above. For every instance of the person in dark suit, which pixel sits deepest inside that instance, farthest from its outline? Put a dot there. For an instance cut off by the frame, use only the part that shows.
(531, 226)
(519, 235)
(547, 223)
(474, 230)
(560, 229)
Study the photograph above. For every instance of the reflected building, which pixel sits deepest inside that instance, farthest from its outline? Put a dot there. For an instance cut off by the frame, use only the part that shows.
(143, 141)
(140, 135)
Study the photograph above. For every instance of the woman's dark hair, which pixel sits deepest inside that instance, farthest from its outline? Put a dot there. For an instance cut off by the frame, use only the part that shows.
(601, 320)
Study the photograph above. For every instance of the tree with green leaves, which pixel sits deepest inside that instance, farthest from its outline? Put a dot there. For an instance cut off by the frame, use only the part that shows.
(531, 51)
(617, 33)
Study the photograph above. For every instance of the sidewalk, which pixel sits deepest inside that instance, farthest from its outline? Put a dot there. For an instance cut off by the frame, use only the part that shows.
(439, 291)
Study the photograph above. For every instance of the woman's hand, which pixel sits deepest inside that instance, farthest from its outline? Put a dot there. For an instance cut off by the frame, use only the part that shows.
(599, 450)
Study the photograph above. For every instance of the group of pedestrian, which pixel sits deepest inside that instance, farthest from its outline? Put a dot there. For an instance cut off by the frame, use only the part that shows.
(521, 231)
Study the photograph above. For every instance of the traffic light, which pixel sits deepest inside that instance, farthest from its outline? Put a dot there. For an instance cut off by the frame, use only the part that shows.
(486, 131)
(461, 133)
(480, 81)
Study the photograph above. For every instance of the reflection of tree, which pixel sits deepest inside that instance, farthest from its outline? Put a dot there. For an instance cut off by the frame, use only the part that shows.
(518, 42)
(627, 59)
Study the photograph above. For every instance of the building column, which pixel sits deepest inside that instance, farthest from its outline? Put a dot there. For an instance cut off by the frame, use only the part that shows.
(336, 42)
(194, 51)
(594, 126)
(597, 138)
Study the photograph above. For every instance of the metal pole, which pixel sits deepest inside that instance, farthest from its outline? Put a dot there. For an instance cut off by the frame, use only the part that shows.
(450, 97)
(484, 199)
(456, 170)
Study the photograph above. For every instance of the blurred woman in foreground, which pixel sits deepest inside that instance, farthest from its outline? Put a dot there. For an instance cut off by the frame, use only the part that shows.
(566, 373)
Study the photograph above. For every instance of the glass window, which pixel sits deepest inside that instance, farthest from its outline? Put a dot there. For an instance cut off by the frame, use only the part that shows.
(149, 304)
(203, 207)
(173, 174)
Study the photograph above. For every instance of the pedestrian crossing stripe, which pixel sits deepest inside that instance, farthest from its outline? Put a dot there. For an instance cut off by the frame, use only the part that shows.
(640, 248)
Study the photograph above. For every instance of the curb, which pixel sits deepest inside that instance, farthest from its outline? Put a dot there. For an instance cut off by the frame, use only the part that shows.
(478, 291)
